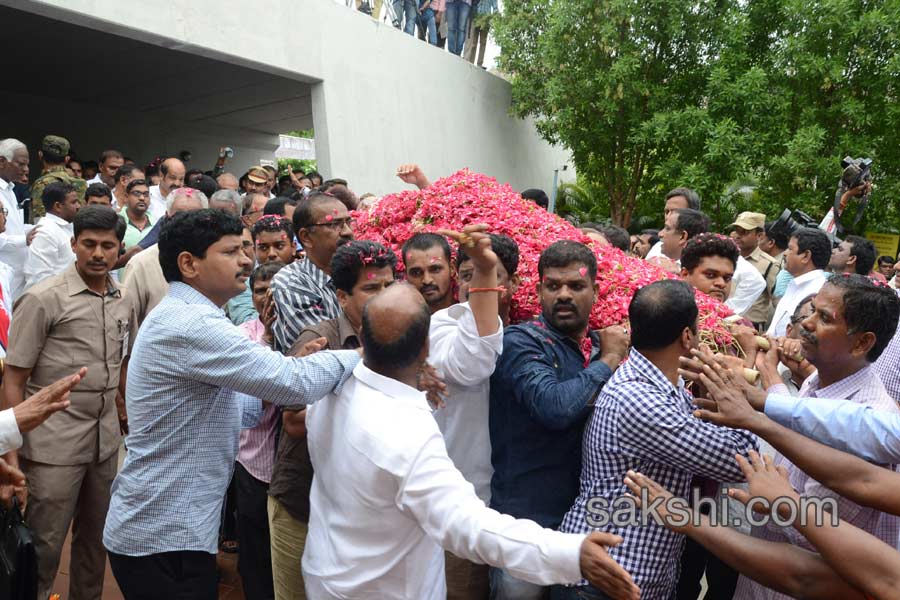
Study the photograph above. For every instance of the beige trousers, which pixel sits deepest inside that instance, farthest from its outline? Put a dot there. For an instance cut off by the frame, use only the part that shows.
(287, 539)
(57, 496)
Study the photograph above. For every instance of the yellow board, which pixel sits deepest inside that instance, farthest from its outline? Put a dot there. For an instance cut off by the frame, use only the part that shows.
(885, 243)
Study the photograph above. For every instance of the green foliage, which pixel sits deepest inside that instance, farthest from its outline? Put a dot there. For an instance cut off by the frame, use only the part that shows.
(306, 165)
(751, 103)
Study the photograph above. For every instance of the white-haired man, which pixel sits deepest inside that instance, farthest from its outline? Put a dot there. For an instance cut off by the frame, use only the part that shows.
(143, 276)
(13, 243)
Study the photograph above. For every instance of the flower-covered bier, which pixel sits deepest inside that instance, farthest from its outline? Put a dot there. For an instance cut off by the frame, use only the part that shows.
(465, 198)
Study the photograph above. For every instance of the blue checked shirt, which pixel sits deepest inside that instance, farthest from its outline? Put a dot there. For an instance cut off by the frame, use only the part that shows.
(190, 377)
(643, 422)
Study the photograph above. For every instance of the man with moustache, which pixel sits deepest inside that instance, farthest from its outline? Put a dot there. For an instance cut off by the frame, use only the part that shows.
(428, 268)
(81, 315)
(302, 291)
(195, 381)
(171, 173)
(542, 389)
(852, 322)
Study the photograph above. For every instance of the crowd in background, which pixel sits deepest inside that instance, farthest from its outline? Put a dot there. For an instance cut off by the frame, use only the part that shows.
(452, 453)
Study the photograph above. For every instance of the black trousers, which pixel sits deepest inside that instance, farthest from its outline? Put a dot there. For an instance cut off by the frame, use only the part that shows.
(255, 555)
(185, 575)
(720, 578)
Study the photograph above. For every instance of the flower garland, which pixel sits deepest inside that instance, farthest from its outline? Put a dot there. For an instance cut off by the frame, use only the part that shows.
(466, 198)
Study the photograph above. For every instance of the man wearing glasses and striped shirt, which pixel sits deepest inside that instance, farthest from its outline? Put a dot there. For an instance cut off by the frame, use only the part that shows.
(302, 291)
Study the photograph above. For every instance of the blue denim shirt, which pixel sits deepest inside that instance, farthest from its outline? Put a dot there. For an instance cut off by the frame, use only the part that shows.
(540, 391)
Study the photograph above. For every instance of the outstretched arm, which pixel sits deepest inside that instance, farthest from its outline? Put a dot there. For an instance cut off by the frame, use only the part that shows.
(782, 567)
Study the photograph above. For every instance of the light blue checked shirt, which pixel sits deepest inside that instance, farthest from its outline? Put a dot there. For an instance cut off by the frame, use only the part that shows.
(190, 371)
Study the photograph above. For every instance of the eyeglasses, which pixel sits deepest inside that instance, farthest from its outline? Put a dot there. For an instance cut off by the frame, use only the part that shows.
(140, 194)
(5, 211)
(336, 224)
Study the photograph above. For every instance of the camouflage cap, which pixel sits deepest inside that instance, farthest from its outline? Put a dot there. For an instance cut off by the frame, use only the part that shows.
(55, 145)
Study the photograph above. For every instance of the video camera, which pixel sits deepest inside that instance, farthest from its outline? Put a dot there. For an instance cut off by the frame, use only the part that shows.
(856, 172)
(790, 221)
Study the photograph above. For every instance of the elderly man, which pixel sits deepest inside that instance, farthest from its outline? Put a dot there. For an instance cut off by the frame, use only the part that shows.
(228, 200)
(13, 245)
(143, 276)
(227, 181)
(386, 497)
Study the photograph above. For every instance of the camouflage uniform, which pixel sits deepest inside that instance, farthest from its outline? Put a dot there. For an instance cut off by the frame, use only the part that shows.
(58, 146)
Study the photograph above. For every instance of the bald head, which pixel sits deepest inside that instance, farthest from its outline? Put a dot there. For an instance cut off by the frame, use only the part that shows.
(171, 173)
(395, 329)
(227, 181)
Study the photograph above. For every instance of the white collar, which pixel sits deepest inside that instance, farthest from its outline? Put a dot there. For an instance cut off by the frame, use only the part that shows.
(57, 220)
(807, 277)
(390, 387)
(6, 185)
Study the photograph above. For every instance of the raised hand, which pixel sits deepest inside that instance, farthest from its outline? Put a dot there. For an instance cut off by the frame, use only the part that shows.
(476, 244)
(413, 175)
(729, 401)
(614, 344)
(765, 481)
(598, 567)
(48, 400)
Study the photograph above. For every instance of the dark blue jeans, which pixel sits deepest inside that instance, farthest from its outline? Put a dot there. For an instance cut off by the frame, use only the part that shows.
(426, 20)
(457, 16)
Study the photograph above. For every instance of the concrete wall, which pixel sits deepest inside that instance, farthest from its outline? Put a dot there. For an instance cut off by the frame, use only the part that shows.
(379, 97)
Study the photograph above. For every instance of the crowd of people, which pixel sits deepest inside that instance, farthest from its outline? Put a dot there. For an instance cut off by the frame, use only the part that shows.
(355, 430)
(460, 26)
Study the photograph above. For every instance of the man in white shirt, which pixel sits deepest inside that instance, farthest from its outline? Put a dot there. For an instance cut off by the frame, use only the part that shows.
(110, 162)
(681, 225)
(13, 244)
(807, 255)
(171, 177)
(466, 340)
(51, 251)
(386, 497)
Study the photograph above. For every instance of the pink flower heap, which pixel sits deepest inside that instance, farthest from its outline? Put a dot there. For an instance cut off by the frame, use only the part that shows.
(466, 198)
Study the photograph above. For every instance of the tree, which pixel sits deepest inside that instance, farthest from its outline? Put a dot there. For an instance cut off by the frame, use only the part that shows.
(650, 95)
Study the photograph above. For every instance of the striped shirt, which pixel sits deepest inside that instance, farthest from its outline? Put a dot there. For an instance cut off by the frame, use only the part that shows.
(642, 422)
(257, 445)
(192, 373)
(303, 296)
(863, 387)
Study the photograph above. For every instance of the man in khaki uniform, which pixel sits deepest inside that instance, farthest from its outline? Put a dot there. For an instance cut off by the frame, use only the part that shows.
(54, 155)
(78, 318)
(747, 231)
